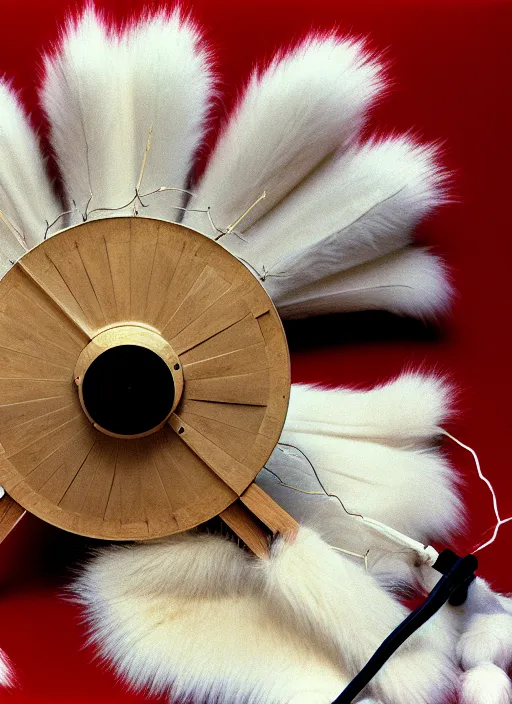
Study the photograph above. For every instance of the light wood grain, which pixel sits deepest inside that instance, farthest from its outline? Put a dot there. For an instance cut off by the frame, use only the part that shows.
(248, 529)
(236, 475)
(251, 389)
(10, 515)
(242, 334)
(84, 286)
(269, 512)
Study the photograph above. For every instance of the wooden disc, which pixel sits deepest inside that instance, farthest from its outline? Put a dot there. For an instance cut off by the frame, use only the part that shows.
(163, 282)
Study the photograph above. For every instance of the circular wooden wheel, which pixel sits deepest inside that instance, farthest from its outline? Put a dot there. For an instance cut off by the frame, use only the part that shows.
(102, 304)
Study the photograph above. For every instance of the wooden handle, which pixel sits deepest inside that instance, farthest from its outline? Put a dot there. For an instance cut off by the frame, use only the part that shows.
(10, 514)
(252, 514)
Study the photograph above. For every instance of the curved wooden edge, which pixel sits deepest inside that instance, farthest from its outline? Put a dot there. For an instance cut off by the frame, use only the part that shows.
(10, 514)
(255, 518)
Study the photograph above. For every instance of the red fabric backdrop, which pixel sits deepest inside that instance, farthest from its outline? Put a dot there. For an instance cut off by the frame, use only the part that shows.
(450, 61)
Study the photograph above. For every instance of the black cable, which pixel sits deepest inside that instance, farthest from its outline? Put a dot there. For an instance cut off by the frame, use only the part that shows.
(453, 585)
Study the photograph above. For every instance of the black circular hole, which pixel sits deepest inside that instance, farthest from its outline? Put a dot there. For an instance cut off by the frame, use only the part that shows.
(176, 366)
(128, 390)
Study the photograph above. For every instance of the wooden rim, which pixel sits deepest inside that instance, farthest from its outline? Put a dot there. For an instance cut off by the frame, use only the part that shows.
(168, 284)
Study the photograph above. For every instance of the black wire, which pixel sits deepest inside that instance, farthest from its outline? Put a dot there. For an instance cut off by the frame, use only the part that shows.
(457, 577)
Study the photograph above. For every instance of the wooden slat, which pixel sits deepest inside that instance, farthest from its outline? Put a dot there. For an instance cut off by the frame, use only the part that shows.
(28, 460)
(243, 361)
(15, 414)
(243, 523)
(74, 496)
(27, 303)
(20, 390)
(69, 264)
(235, 441)
(29, 492)
(244, 389)
(224, 313)
(98, 493)
(10, 514)
(240, 335)
(71, 461)
(269, 512)
(129, 467)
(144, 238)
(117, 240)
(155, 499)
(16, 365)
(17, 336)
(236, 416)
(207, 289)
(167, 255)
(232, 472)
(94, 255)
(22, 435)
(42, 271)
(188, 269)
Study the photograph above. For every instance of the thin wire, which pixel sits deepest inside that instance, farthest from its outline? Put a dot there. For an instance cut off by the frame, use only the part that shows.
(427, 553)
(332, 496)
(499, 520)
(49, 225)
(319, 493)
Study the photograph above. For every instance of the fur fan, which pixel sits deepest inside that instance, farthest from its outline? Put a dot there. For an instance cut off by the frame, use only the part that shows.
(194, 615)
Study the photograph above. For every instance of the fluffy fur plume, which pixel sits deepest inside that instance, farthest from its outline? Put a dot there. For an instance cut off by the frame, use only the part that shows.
(360, 205)
(411, 282)
(333, 206)
(486, 684)
(26, 198)
(7, 677)
(367, 448)
(103, 91)
(195, 616)
(298, 111)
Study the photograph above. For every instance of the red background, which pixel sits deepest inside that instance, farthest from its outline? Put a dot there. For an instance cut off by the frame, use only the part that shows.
(450, 61)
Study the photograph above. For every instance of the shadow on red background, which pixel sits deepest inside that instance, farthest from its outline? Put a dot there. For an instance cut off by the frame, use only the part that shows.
(451, 70)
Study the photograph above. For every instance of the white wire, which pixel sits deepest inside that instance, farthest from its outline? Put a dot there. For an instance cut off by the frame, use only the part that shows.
(499, 520)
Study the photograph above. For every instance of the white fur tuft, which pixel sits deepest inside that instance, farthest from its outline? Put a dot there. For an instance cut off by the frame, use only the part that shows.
(405, 411)
(7, 677)
(487, 639)
(196, 617)
(486, 684)
(103, 91)
(360, 205)
(26, 198)
(295, 113)
(367, 448)
(411, 282)
(487, 633)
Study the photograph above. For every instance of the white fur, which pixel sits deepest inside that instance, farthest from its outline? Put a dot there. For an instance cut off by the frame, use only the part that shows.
(360, 205)
(370, 449)
(405, 411)
(411, 282)
(303, 107)
(486, 684)
(103, 91)
(487, 632)
(7, 677)
(194, 616)
(26, 198)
